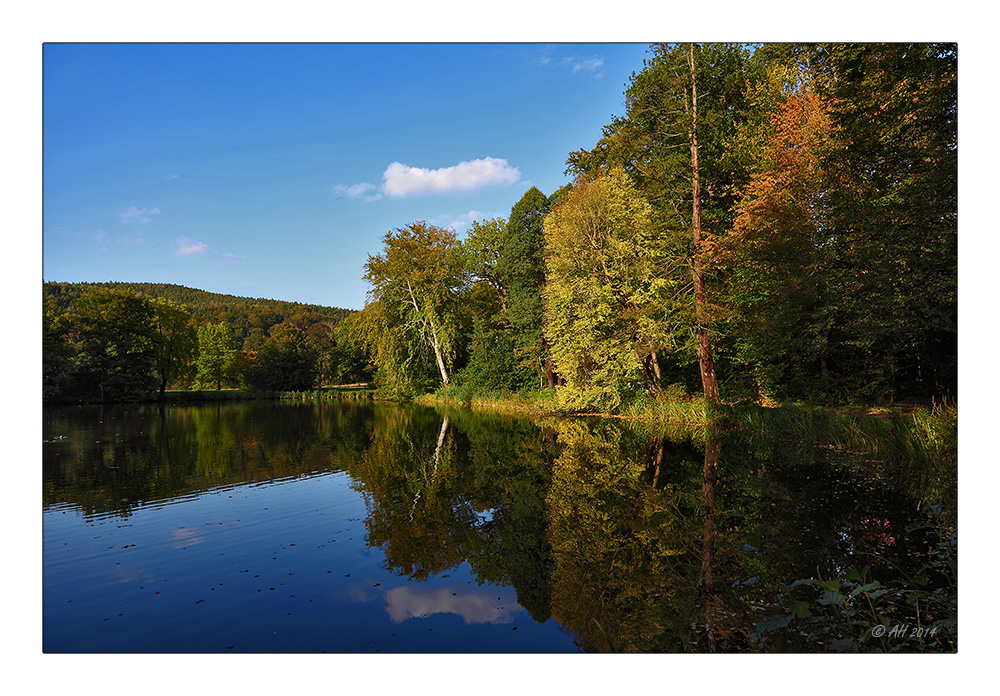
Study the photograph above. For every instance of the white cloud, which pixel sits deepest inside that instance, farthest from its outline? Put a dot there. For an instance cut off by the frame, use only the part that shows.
(189, 247)
(133, 214)
(588, 64)
(403, 180)
(404, 603)
(356, 191)
(463, 220)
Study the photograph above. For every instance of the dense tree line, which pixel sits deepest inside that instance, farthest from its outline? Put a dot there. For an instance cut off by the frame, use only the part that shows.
(244, 314)
(115, 342)
(773, 221)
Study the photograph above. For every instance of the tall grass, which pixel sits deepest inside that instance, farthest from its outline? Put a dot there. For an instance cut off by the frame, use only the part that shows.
(182, 397)
(695, 413)
(522, 402)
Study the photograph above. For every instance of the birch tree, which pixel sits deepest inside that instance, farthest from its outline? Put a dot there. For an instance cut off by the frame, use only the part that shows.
(409, 320)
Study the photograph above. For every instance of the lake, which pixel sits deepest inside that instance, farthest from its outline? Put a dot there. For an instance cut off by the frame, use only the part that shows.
(357, 527)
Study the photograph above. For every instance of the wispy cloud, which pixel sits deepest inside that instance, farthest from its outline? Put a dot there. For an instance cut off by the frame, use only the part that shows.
(358, 191)
(133, 214)
(404, 603)
(462, 221)
(585, 64)
(230, 259)
(404, 180)
(189, 247)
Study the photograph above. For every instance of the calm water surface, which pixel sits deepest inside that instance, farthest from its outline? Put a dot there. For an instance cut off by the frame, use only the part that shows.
(357, 527)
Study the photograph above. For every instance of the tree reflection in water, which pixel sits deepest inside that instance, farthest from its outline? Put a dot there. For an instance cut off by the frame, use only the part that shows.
(630, 537)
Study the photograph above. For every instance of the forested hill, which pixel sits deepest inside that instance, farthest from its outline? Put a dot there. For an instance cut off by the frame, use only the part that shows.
(243, 313)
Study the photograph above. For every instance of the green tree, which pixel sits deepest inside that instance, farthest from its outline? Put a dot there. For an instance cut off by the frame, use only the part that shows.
(522, 271)
(350, 360)
(320, 337)
(411, 313)
(59, 362)
(254, 341)
(492, 362)
(894, 181)
(602, 294)
(217, 356)
(681, 112)
(286, 362)
(483, 250)
(175, 339)
(117, 344)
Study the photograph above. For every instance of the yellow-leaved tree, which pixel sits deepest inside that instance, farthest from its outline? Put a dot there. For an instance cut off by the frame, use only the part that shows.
(603, 293)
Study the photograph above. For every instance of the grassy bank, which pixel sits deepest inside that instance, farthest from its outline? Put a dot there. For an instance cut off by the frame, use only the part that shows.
(193, 396)
(188, 396)
(924, 436)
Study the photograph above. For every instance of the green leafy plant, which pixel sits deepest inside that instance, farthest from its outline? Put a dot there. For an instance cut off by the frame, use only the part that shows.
(857, 613)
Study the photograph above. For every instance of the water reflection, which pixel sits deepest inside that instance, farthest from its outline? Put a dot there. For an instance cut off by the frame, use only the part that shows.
(627, 538)
(114, 459)
(404, 603)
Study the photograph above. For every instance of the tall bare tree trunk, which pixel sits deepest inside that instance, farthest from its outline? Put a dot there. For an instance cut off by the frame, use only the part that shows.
(437, 354)
(430, 329)
(708, 381)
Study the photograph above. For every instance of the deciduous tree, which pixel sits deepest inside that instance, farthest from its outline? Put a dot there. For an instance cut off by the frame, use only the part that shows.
(601, 293)
(175, 340)
(286, 362)
(778, 254)
(217, 356)
(681, 110)
(523, 273)
(117, 344)
(415, 281)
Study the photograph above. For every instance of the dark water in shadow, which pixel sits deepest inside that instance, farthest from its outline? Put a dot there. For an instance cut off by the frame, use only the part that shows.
(353, 527)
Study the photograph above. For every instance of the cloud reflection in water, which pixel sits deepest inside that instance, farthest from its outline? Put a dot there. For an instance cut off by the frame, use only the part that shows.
(476, 607)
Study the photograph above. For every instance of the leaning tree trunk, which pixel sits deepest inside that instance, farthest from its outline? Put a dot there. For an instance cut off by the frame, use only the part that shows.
(708, 381)
(432, 331)
(437, 353)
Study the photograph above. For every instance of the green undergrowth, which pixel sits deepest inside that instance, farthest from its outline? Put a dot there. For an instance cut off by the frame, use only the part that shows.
(924, 440)
(331, 393)
(856, 613)
(928, 437)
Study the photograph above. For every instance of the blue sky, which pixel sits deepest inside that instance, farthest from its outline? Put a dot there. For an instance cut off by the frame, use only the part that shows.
(274, 170)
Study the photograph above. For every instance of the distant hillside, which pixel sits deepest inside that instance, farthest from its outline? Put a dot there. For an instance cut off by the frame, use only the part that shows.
(244, 313)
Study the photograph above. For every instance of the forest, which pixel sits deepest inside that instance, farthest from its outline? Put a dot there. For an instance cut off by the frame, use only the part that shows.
(130, 341)
(763, 222)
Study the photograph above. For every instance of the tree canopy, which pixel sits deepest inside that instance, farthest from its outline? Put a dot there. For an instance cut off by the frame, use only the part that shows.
(761, 221)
